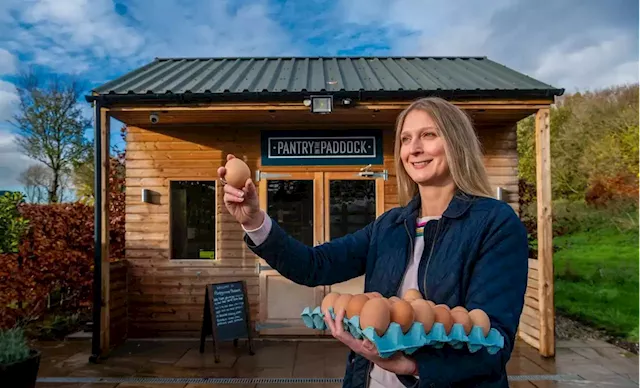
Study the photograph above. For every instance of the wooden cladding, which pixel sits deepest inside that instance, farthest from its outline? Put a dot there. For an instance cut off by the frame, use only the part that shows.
(165, 296)
(531, 318)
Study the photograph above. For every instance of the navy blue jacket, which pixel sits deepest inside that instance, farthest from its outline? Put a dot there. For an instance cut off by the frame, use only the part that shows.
(479, 260)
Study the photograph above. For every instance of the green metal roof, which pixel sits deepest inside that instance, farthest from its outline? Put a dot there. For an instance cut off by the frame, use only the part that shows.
(289, 77)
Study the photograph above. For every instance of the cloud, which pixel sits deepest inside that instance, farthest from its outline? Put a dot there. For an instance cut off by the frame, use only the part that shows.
(101, 40)
(7, 62)
(69, 36)
(8, 100)
(574, 44)
(12, 162)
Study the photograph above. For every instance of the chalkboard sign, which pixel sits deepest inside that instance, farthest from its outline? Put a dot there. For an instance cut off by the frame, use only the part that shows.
(226, 315)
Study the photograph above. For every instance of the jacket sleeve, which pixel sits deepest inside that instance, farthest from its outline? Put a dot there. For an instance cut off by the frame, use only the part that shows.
(333, 262)
(497, 286)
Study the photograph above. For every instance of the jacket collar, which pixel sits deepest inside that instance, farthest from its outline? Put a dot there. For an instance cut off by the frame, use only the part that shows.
(460, 203)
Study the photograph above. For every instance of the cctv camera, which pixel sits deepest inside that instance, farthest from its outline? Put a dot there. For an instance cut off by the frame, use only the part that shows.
(153, 117)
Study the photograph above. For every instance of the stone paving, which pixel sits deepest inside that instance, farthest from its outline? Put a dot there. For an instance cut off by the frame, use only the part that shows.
(576, 364)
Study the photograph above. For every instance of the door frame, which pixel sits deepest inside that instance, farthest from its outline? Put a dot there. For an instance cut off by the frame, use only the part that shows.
(379, 198)
(347, 176)
(320, 234)
(283, 326)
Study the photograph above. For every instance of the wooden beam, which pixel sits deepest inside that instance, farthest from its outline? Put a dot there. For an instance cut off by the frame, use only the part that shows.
(545, 237)
(104, 230)
(380, 105)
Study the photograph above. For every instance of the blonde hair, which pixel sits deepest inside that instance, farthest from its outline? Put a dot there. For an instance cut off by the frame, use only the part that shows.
(462, 148)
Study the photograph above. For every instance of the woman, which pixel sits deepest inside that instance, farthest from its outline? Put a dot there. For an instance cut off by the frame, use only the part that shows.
(450, 239)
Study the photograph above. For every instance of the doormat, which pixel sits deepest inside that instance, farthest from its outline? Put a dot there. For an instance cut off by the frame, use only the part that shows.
(253, 380)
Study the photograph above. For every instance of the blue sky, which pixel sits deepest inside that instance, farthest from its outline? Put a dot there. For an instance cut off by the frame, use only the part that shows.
(575, 44)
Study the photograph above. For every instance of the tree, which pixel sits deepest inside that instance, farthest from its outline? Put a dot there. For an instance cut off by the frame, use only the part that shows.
(51, 126)
(594, 141)
(36, 179)
(84, 169)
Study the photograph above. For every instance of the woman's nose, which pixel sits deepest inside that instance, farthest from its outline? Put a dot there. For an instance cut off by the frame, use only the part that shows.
(416, 146)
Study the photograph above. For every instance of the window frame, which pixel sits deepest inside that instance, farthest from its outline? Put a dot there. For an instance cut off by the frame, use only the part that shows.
(216, 224)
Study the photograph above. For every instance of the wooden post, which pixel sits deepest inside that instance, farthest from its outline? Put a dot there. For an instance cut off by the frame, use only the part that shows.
(545, 236)
(104, 230)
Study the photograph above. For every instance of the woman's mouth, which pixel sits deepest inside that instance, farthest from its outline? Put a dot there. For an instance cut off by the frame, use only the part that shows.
(420, 165)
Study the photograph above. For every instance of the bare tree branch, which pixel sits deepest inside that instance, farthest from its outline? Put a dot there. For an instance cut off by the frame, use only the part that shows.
(51, 126)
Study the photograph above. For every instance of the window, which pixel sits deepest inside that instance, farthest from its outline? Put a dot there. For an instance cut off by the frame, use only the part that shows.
(193, 219)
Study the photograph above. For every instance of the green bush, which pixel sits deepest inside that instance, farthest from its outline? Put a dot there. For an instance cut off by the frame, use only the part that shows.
(13, 346)
(578, 216)
(12, 225)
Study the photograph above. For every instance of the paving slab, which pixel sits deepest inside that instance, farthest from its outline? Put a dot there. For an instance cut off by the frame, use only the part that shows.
(136, 364)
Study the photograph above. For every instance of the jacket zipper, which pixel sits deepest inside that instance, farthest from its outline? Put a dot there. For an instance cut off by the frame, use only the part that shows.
(407, 259)
(366, 384)
(433, 244)
(396, 293)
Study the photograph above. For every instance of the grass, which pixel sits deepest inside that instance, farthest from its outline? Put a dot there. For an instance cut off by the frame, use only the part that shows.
(596, 277)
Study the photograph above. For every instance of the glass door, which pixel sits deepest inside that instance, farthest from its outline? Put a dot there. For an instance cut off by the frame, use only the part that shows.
(350, 203)
(294, 201)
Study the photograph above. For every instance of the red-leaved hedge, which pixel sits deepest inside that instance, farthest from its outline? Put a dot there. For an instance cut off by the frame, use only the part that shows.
(56, 256)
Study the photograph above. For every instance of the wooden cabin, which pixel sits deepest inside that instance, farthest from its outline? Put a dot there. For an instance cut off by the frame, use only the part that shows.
(318, 135)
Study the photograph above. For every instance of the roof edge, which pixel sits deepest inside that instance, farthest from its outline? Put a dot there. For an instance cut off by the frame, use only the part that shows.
(357, 96)
(325, 57)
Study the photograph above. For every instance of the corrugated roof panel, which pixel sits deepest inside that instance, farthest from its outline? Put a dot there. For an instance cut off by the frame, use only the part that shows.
(422, 78)
(350, 76)
(190, 76)
(227, 76)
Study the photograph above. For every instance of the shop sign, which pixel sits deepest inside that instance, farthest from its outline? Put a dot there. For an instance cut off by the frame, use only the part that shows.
(331, 147)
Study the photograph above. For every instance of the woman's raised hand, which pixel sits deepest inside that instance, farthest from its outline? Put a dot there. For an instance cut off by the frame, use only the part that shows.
(242, 204)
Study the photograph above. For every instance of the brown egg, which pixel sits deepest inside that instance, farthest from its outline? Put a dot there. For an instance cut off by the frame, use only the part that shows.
(355, 305)
(237, 173)
(431, 303)
(341, 303)
(328, 301)
(412, 294)
(480, 318)
(373, 295)
(402, 313)
(462, 317)
(423, 313)
(394, 299)
(443, 316)
(459, 308)
(377, 314)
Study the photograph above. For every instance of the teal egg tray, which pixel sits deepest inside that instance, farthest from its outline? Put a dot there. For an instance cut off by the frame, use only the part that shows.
(394, 340)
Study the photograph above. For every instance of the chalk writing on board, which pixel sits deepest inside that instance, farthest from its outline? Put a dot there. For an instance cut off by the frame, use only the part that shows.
(229, 305)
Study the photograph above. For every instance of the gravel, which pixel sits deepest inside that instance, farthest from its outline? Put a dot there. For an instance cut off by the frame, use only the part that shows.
(567, 329)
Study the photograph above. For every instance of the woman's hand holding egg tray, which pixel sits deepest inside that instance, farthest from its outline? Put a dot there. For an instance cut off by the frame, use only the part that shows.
(406, 324)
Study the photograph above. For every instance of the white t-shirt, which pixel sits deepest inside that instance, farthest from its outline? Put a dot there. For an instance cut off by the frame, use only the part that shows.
(380, 378)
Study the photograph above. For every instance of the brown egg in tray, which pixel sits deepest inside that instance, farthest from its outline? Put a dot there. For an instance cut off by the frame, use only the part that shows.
(408, 323)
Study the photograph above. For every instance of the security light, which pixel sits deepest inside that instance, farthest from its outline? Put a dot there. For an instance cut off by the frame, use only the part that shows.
(321, 104)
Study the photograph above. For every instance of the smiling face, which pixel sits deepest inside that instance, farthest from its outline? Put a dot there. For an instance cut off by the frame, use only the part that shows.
(422, 150)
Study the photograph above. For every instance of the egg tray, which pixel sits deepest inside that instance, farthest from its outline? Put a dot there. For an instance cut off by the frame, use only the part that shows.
(394, 340)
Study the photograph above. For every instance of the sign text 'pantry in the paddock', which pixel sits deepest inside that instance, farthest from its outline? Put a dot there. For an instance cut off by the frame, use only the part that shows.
(345, 147)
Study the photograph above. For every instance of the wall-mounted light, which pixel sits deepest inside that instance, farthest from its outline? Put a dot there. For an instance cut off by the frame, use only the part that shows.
(321, 104)
(500, 191)
(150, 196)
(146, 196)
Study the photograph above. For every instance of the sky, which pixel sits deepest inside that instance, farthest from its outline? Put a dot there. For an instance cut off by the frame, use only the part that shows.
(578, 45)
